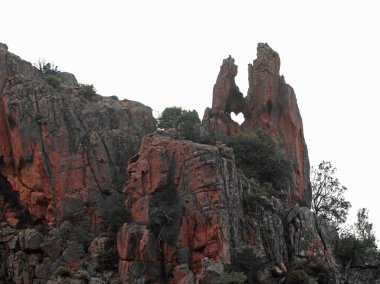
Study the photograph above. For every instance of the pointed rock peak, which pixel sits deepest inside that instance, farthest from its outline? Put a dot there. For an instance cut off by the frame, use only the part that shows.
(270, 105)
(228, 68)
(265, 49)
(267, 59)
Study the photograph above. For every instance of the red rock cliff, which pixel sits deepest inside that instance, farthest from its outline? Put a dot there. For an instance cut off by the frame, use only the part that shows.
(193, 212)
(270, 105)
(63, 151)
(226, 99)
(165, 237)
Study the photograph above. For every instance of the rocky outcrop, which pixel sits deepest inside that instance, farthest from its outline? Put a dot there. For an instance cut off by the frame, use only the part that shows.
(181, 196)
(64, 150)
(63, 157)
(58, 255)
(226, 99)
(74, 210)
(193, 211)
(270, 105)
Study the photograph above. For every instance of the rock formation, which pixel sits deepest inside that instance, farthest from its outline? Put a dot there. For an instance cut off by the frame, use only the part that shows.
(201, 183)
(214, 214)
(83, 201)
(226, 99)
(270, 105)
(62, 151)
(63, 156)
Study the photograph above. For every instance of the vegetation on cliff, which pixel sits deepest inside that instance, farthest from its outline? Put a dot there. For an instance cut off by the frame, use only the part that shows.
(259, 157)
(182, 120)
(328, 199)
(183, 215)
(355, 242)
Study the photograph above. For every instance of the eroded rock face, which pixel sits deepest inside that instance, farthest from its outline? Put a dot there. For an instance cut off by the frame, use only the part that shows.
(226, 99)
(192, 211)
(180, 194)
(63, 156)
(62, 151)
(270, 105)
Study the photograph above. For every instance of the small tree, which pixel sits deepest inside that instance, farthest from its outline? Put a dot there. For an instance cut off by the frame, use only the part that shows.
(328, 199)
(170, 117)
(363, 228)
(176, 117)
(180, 119)
(87, 91)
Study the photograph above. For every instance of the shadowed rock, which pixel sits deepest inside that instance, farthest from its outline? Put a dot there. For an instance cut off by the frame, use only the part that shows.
(192, 211)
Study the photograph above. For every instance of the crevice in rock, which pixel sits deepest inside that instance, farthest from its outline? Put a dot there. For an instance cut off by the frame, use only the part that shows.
(10, 196)
(48, 167)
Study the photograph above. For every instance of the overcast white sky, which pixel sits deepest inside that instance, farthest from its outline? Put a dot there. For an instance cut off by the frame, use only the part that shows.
(166, 53)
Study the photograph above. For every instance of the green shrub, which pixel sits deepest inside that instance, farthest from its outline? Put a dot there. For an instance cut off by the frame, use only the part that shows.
(47, 68)
(180, 119)
(115, 217)
(87, 91)
(261, 158)
(232, 278)
(357, 241)
(163, 221)
(107, 260)
(249, 262)
(317, 266)
(164, 214)
(349, 247)
(53, 81)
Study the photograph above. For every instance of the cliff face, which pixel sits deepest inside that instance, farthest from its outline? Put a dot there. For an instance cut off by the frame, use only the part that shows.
(64, 151)
(193, 213)
(181, 195)
(81, 201)
(63, 158)
(270, 105)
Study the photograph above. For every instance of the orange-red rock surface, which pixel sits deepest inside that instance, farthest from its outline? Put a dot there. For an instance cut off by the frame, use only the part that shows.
(192, 212)
(64, 163)
(200, 181)
(226, 99)
(270, 105)
(61, 152)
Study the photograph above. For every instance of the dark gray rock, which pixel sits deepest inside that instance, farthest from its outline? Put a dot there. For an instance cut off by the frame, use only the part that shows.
(30, 239)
